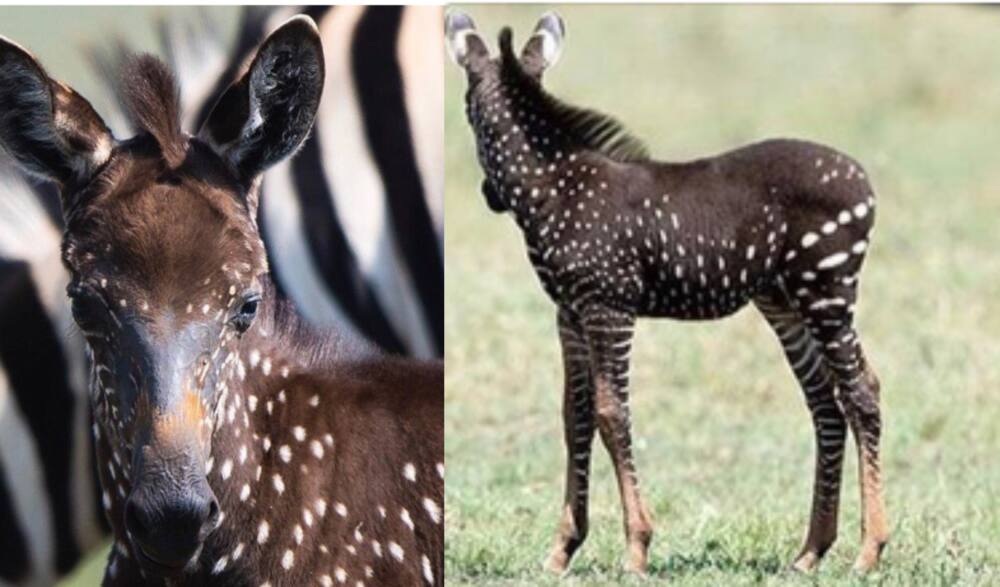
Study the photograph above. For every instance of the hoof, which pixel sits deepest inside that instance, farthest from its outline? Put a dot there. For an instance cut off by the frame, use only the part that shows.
(871, 553)
(806, 563)
(557, 563)
(637, 564)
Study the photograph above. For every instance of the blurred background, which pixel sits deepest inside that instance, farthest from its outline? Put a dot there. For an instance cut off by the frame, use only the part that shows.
(353, 228)
(724, 442)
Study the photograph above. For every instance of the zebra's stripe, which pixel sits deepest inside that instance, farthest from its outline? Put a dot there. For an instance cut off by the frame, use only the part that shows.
(14, 562)
(380, 89)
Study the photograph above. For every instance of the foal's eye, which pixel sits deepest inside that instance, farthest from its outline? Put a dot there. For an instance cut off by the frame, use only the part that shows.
(245, 315)
(88, 310)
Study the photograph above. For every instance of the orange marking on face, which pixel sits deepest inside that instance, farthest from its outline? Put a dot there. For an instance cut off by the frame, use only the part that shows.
(183, 422)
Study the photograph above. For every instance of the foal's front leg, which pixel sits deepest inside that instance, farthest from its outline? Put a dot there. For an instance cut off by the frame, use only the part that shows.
(578, 423)
(609, 336)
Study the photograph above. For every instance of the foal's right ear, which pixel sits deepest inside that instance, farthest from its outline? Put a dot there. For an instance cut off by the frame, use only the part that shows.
(465, 45)
(46, 127)
(267, 114)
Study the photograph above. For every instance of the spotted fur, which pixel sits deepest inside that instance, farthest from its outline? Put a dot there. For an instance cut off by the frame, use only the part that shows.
(614, 235)
(235, 444)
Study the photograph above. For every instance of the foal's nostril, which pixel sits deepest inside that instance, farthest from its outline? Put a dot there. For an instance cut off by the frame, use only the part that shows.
(213, 519)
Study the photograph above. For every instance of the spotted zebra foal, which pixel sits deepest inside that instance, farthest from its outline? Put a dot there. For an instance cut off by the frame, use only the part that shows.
(614, 235)
(236, 445)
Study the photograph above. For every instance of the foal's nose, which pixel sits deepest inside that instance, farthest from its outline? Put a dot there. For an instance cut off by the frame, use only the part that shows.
(169, 526)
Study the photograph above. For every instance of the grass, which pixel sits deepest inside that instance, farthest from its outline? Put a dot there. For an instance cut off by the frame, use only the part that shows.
(725, 447)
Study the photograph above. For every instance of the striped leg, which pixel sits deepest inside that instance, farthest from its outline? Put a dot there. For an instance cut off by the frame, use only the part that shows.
(858, 392)
(609, 336)
(578, 422)
(818, 384)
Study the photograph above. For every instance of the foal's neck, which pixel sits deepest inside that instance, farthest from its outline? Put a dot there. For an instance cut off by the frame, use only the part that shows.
(528, 159)
(272, 424)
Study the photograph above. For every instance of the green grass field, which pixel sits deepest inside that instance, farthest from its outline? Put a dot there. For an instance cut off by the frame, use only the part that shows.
(725, 446)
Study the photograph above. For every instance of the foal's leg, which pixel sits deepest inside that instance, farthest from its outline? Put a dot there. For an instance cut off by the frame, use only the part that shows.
(806, 359)
(578, 422)
(829, 312)
(609, 335)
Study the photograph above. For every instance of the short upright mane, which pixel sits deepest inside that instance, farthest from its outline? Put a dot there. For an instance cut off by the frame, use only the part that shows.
(152, 100)
(594, 130)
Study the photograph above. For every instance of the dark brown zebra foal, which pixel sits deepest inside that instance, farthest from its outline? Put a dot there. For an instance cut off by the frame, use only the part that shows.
(614, 235)
(236, 446)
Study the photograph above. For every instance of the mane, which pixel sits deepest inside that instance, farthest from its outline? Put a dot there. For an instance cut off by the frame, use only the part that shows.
(151, 99)
(594, 130)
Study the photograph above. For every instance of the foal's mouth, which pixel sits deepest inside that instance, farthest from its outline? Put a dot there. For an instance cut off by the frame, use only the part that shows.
(152, 565)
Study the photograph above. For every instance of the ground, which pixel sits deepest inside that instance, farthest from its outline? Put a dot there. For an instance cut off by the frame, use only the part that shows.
(725, 446)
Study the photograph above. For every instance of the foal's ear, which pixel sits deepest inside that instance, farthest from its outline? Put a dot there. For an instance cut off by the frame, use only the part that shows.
(267, 114)
(544, 47)
(465, 45)
(45, 126)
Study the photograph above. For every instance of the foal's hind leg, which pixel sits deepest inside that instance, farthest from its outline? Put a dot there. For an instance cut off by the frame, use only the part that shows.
(609, 336)
(829, 309)
(578, 422)
(806, 359)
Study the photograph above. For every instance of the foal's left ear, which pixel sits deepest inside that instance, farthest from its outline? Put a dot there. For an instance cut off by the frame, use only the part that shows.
(267, 114)
(49, 130)
(545, 45)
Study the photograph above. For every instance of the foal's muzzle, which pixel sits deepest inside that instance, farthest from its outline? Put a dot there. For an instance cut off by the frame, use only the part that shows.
(168, 524)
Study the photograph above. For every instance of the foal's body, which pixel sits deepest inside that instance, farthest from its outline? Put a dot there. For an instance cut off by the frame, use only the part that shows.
(614, 235)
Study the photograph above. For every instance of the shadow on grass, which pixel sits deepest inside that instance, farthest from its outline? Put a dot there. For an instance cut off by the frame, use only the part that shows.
(714, 557)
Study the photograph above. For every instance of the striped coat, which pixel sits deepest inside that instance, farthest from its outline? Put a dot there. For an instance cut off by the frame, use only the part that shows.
(353, 228)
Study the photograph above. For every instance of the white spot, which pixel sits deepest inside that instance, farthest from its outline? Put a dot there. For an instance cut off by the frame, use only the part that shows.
(314, 400)
(220, 565)
(861, 210)
(341, 574)
(829, 227)
(245, 492)
(299, 433)
(426, 564)
(859, 247)
(317, 449)
(285, 453)
(432, 510)
(341, 509)
(227, 469)
(254, 358)
(832, 261)
(238, 551)
(404, 515)
(263, 531)
(288, 560)
(396, 551)
(440, 470)
(298, 534)
(320, 507)
(266, 366)
(410, 472)
(279, 485)
(307, 517)
(809, 239)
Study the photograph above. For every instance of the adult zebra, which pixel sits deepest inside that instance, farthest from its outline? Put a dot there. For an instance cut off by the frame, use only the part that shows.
(353, 226)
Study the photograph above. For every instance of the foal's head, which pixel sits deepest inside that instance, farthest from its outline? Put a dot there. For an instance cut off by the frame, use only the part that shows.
(167, 266)
(469, 50)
